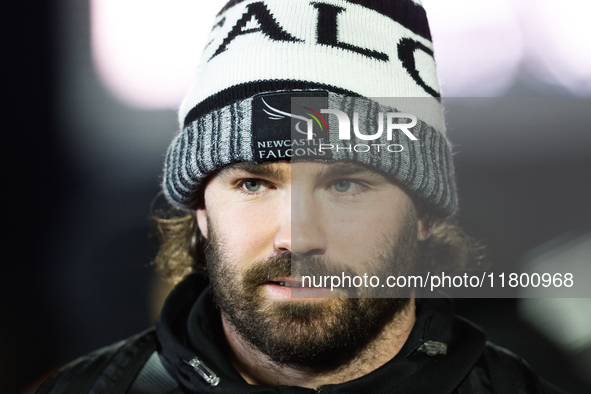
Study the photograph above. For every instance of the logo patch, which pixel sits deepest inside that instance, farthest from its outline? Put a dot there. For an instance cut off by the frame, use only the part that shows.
(281, 124)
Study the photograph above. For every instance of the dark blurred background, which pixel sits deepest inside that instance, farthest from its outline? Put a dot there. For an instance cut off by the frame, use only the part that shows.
(89, 98)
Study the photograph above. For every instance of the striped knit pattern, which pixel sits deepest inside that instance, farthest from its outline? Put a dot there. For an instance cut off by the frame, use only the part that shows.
(424, 166)
(224, 136)
(211, 142)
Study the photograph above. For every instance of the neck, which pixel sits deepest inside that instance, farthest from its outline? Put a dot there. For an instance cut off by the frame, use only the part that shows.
(258, 369)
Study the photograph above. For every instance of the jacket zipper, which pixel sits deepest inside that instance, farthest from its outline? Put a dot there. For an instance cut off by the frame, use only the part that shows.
(204, 371)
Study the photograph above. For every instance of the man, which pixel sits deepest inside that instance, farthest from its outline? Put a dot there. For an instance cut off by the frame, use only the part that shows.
(312, 148)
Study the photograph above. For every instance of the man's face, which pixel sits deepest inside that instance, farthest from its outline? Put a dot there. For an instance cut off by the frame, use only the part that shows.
(259, 219)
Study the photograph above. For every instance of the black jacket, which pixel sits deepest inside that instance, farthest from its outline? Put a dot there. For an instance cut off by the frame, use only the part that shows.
(173, 358)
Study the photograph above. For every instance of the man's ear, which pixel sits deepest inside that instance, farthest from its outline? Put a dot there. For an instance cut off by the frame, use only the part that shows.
(426, 223)
(201, 214)
(425, 229)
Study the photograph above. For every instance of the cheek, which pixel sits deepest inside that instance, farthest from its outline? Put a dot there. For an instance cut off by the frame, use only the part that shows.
(245, 232)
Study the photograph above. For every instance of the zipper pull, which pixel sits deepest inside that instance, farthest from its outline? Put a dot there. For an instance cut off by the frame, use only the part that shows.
(203, 370)
(433, 348)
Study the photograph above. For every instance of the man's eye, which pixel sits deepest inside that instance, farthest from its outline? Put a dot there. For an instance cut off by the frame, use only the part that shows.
(342, 186)
(252, 186)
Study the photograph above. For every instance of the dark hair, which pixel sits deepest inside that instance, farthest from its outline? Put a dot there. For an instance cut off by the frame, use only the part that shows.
(182, 250)
(182, 246)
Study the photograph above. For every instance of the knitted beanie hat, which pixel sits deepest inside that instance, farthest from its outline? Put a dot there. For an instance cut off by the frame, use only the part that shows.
(365, 58)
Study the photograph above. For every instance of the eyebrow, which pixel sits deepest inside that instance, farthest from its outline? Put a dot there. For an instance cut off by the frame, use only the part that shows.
(266, 170)
(333, 170)
(346, 169)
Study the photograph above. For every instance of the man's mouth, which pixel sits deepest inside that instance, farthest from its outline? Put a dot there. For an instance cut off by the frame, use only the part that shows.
(285, 282)
(290, 288)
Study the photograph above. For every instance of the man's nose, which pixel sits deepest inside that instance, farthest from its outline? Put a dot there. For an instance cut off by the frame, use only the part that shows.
(301, 230)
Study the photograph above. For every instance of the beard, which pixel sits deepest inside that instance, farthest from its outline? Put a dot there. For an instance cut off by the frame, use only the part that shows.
(316, 336)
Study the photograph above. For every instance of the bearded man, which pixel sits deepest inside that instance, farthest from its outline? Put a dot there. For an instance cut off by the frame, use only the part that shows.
(274, 189)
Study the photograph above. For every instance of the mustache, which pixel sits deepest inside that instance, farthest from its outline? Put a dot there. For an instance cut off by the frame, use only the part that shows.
(277, 266)
(289, 265)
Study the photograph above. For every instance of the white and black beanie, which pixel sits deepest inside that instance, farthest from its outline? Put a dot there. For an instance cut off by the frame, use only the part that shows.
(365, 58)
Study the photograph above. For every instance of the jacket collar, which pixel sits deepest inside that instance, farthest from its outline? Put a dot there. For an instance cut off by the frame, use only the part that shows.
(190, 332)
